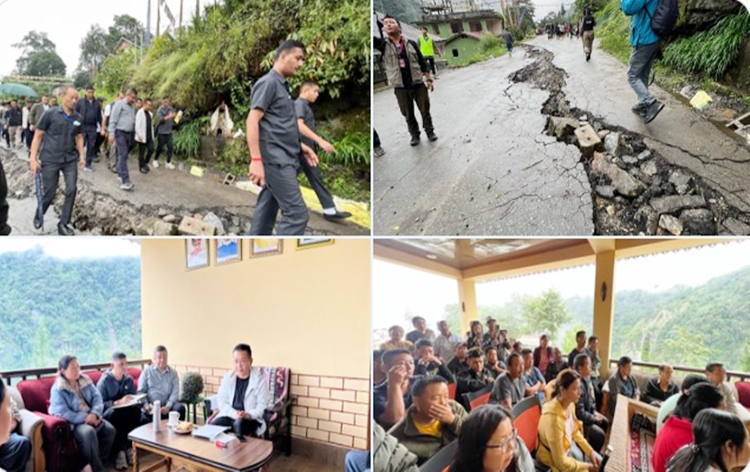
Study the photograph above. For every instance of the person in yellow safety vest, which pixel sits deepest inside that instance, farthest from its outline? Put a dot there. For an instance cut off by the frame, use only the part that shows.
(427, 48)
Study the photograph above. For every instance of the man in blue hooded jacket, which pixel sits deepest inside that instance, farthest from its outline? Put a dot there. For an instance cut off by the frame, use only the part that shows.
(646, 48)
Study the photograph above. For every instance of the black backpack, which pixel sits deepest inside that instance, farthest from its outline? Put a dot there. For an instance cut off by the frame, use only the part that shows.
(665, 17)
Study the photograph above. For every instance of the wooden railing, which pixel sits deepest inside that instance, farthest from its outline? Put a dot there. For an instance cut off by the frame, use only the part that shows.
(9, 375)
(731, 375)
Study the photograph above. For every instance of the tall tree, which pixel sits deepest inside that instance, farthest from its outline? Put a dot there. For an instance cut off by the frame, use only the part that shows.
(124, 26)
(34, 42)
(94, 49)
(546, 313)
(45, 63)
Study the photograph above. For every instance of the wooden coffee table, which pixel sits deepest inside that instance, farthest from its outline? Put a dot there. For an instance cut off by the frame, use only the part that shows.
(197, 453)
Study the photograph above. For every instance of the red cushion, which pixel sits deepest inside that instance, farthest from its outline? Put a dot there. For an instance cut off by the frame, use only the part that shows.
(743, 392)
(135, 372)
(35, 393)
(94, 375)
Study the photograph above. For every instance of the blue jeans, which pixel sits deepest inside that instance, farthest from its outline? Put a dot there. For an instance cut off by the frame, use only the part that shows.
(357, 461)
(15, 453)
(641, 60)
(124, 144)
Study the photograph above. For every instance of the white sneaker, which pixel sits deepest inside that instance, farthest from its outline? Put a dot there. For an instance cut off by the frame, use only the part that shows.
(156, 164)
(170, 166)
(127, 186)
(121, 462)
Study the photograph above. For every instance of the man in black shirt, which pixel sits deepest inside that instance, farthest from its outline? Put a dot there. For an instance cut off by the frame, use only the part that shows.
(5, 228)
(275, 148)
(58, 147)
(243, 396)
(428, 364)
(91, 111)
(405, 68)
(587, 27)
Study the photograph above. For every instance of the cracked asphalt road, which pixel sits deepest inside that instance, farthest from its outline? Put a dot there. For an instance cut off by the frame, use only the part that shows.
(493, 171)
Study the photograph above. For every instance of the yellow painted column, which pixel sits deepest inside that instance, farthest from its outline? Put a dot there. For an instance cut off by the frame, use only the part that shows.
(604, 306)
(467, 301)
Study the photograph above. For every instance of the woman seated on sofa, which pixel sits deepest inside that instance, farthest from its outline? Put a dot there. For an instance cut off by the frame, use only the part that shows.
(15, 450)
(75, 399)
(622, 383)
(562, 446)
(488, 441)
(678, 429)
(720, 443)
(661, 387)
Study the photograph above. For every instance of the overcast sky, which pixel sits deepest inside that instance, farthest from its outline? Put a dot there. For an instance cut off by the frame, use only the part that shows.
(66, 23)
(396, 288)
(73, 248)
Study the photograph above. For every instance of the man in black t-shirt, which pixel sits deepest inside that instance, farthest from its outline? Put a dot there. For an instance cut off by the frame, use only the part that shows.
(587, 27)
(407, 71)
(58, 147)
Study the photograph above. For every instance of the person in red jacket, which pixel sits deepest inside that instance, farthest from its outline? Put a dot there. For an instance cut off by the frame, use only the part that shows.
(678, 429)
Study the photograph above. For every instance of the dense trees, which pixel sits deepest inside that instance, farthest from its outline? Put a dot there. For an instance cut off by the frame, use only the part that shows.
(38, 56)
(50, 307)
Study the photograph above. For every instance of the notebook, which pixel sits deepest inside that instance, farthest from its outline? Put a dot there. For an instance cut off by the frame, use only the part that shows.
(136, 400)
(210, 431)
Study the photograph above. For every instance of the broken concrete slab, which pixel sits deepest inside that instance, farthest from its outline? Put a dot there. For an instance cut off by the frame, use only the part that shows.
(649, 168)
(154, 226)
(612, 143)
(680, 181)
(624, 183)
(671, 224)
(698, 222)
(561, 127)
(588, 140)
(606, 191)
(674, 203)
(216, 221)
(190, 226)
(736, 227)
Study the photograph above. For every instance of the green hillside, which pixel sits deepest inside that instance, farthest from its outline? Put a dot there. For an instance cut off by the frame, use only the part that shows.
(50, 307)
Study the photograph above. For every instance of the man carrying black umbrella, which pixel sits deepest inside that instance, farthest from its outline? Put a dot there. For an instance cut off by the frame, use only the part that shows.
(60, 132)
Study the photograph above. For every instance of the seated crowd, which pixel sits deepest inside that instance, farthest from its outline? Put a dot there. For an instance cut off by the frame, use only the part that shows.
(423, 390)
(101, 416)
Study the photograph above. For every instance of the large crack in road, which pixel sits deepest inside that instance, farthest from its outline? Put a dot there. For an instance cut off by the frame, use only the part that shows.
(634, 189)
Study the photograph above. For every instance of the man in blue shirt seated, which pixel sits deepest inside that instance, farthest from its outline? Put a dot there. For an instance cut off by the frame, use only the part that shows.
(161, 382)
(243, 396)
(393, 397)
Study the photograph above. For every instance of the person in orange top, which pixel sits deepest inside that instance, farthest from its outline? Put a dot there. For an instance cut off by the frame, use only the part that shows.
(562, 446)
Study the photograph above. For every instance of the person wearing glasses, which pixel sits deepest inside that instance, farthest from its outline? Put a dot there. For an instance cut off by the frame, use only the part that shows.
(562, 446)
(488, 441)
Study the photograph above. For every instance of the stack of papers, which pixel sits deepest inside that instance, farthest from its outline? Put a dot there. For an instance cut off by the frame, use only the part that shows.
(210, 432)
(136, 400)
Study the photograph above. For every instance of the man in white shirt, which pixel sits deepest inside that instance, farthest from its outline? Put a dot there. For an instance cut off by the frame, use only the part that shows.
(717, 375)
(243, 396)
(445, 344)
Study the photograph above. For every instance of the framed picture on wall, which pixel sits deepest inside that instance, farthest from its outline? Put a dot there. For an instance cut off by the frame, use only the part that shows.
(266, 247)
(227, 250)
(196, 253)
(306, 243)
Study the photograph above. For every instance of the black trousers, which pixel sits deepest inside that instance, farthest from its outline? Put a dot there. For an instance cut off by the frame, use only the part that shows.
(281, 192)
(596, 434)
(406, 98)
(240, 426)
(316, 182)
(4, 206)
(89, 138)
(376, 138)
(124, 420)
(431, 60)
(145, 150)
(50, 178)
(164, 140)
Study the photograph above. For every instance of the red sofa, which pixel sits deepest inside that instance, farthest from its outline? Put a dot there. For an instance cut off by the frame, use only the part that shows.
(60, 449)
(743, 392)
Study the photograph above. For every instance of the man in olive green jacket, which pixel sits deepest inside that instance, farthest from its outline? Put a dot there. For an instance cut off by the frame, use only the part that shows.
(432, 421)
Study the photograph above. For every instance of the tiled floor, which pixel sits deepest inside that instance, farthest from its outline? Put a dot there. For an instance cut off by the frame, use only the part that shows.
(280, 463)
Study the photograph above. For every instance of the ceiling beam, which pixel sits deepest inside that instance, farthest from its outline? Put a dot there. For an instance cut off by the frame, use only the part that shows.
(600, 245)
(403, 258)
(633, 247)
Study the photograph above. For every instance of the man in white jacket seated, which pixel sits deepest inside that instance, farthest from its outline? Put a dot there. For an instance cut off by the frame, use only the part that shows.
(243, 396)
(144, 135)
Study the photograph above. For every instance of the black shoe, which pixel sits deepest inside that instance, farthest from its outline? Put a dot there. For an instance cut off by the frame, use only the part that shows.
(96, 159)
(588, 57)
(340, 215)
(114, 170)
(37, 223)
(65, 230)
(431, 136)
(639, 109)
(144, 170)
(379, 151)
(414, 140)
(652, 111)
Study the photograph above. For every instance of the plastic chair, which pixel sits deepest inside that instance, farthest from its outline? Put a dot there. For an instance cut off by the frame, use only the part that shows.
(442, 459)
(478, 398)
(452, 391)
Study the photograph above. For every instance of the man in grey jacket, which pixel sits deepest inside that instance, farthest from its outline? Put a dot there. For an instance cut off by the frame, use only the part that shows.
(161, 382)
(121, 129)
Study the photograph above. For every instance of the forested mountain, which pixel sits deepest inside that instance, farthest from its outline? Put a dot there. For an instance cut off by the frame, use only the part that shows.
(50, 307)
(683, 325)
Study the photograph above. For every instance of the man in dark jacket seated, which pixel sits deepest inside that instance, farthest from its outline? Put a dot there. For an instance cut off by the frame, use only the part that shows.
(476, 377)
(595, 424)
(428, 364)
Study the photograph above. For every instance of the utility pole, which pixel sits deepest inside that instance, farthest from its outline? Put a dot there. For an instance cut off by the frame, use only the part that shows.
(158, 21)
(148, 24)
(181, 3)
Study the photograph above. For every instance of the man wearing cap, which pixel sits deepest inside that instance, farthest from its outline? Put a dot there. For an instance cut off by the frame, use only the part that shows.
(407, 72)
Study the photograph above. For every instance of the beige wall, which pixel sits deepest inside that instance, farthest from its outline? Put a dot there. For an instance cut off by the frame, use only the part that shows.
(305, 309)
